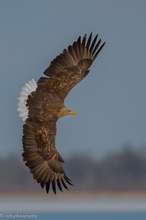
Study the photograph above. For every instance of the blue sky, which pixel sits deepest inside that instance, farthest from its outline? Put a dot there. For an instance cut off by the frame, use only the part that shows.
(110, 102)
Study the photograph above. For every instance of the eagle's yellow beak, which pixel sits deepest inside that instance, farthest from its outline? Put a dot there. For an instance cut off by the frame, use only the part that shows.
(73, 112)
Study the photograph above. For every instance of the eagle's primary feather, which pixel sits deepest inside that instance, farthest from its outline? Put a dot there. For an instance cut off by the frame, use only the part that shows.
(42, 104)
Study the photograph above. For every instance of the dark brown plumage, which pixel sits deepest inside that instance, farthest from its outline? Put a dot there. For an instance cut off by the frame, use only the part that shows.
(46, 105)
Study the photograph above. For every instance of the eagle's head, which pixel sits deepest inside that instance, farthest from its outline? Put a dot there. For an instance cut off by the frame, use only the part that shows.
(66, 111)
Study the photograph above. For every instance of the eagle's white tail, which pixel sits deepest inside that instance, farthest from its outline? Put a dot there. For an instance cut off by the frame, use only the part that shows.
(25, 92)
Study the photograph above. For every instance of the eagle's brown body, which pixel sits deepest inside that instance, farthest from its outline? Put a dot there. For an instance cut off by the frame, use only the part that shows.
(46, 106)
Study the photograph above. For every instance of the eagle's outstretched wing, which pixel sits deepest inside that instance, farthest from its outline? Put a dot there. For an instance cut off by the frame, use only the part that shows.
(71, 66)
(42, 157)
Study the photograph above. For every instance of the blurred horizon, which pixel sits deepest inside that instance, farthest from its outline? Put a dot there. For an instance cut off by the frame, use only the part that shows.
(117, 173)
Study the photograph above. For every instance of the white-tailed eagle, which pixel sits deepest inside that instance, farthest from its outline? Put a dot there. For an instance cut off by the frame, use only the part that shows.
(41, 104)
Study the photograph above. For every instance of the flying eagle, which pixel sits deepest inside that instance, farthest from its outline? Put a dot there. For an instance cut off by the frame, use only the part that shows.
(41, 104)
